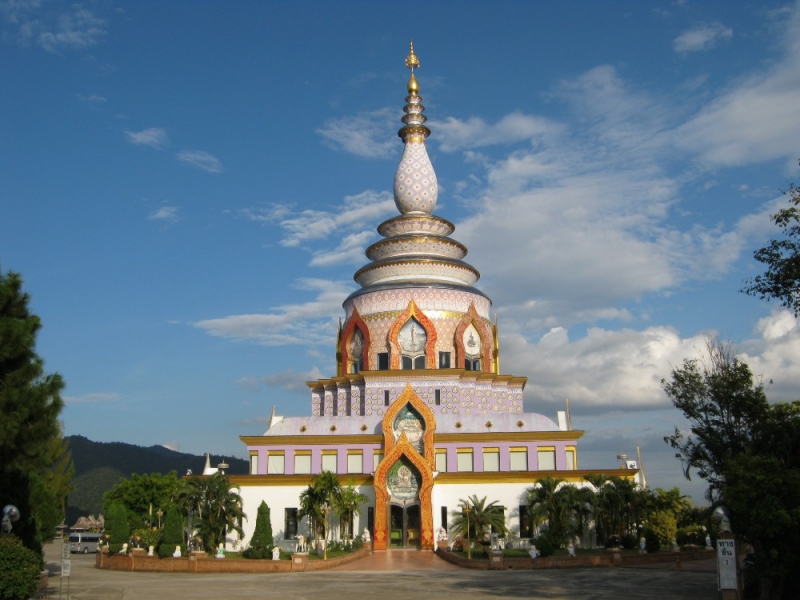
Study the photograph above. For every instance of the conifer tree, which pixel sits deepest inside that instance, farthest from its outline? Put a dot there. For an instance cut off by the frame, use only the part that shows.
(173, 533)
(261, 543)
(31, 445)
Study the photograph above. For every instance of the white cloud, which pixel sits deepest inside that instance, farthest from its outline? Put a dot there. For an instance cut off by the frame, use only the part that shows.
(456, 134)
(74, 28)
(92, 100)
(357, 212)
(309, 323)
(165, 213)
(774, 354)
(702, 37)
(756, 119)
(92, 398)
(292, 381)
(367, 134)
(350, 251)
(154, 137)
(201, 160)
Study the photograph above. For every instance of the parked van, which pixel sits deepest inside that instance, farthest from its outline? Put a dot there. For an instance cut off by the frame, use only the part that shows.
(83, 542)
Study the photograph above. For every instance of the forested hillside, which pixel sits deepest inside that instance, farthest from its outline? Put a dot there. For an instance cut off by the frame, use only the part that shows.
(99, 465)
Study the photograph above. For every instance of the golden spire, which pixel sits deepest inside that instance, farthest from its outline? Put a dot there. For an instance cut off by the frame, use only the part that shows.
(412, 62)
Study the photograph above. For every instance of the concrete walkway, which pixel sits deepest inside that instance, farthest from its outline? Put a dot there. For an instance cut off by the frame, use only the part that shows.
(667, 583)
(399, 561)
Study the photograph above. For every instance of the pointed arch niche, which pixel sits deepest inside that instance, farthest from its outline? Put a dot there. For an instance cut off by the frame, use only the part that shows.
(396, 449)
(473, 320)
(413, 312)
(358, 332)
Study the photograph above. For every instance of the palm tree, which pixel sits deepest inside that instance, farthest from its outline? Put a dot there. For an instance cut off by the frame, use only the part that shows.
(550, 501)
(598, 480)
(346, 505)
(216, 505)
(324, 489)
(482, 518)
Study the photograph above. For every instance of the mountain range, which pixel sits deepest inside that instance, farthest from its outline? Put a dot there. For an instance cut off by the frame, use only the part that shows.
(101, 465)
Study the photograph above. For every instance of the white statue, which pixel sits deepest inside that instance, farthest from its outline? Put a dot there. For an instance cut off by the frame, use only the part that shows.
(276, 553)
(301, 543)
(533, 552)
(708, 541)
(124, 549)
(220, 552)
(642, 545)
(151, 550)
(177, 553)
(571, 550)
(675, 545)
(366, 537)
(441, 535)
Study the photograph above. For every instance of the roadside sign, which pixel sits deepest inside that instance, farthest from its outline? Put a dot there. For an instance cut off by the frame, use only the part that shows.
(726, 565)
(66, 562)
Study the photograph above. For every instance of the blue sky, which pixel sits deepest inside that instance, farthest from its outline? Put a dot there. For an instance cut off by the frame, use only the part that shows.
(188, 187)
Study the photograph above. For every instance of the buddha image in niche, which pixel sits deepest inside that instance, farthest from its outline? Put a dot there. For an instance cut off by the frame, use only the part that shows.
(409, 423)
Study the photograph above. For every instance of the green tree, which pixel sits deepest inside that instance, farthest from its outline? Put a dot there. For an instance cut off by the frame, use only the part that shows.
(482, 518)
(261, 543)
(324, 489)
(30, 433)
(749, 452)
(723, 404)
(173, 533)
(117, 528)
(346, 504)
(143, 496)
(782, 257)
(216, 507)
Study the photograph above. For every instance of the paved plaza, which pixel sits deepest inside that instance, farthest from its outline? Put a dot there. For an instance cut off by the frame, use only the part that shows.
(387, 576)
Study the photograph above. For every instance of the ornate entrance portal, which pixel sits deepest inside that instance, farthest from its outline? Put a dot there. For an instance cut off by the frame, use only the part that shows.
(404, 526)
(404, 479)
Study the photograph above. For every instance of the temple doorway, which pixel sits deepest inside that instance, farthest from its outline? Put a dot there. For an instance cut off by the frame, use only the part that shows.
(404, 526)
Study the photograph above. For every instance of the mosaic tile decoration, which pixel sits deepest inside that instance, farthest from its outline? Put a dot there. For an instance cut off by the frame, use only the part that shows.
(415, 185)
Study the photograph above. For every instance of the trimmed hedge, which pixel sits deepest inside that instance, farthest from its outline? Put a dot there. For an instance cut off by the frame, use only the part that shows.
(19, 569)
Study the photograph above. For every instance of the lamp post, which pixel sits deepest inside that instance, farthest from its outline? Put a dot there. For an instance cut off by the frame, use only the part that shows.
(10, 515)
(326, 509)
(469, 542)
(222, 466)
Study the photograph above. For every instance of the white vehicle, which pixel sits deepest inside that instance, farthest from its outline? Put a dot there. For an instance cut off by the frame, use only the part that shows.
(83, 542)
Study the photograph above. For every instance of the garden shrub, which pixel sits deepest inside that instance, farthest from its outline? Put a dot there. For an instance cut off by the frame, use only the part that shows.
(629, 541)
(19, 569)
(613, 541)
(653, 543)
(544, 544)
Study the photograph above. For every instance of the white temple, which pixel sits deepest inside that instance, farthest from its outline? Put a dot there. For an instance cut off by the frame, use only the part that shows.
(419, 414)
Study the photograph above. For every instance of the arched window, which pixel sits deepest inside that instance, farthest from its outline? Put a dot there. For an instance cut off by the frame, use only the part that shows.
(472, 349)
(412, 339)
(356, 356)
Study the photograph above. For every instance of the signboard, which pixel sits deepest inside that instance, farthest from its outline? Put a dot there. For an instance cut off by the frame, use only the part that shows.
(726, 565)
(65, 559)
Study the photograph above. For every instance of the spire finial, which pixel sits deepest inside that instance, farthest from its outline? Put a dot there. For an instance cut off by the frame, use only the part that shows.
(415, 186)
(412, 62)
